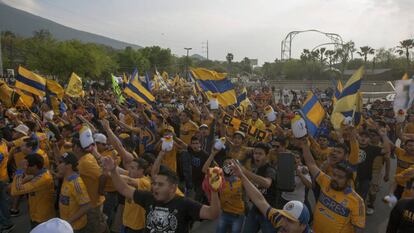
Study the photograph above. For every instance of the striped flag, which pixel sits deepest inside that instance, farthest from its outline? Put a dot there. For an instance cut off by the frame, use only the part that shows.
(338, 91)
(213, 83)
(31, 82)
(313, 113)
(349, 103)
(136, 91)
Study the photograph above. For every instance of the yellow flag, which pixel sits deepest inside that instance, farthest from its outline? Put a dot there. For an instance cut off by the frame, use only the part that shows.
(74, 88)
(55, 88)
(24, 100)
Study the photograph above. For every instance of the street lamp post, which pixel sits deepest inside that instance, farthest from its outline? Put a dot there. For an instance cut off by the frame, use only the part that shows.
(187, 61)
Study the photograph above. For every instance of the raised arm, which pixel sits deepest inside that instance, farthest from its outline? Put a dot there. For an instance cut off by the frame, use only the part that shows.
(387, 152)
(210, 159)
(125, 126)
(121, 186)
(252, 192)
(307, 156)
(212, 211)
(116, 143)
(157, 163)
(260, 181)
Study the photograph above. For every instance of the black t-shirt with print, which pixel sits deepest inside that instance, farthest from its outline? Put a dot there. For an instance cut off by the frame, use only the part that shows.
(367, 155)
(402, 217)
(270, 194)
(174, 216)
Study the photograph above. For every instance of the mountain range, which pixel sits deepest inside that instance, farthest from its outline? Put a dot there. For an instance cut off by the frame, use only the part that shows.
(23, 23)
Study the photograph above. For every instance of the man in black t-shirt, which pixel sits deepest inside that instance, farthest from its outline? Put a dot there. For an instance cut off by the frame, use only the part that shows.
(402, 215)
(198, 157)
(367, 154)
(264, 177)
(165, 211)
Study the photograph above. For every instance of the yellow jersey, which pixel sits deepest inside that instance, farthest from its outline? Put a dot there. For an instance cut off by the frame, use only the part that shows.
(272, 127)
(337, 211)
(405, 179)
(404, 161)
(231, 196)
(90, 172)
(241, 155)
(73, 196)
(187, 131)
(258, 124)
(409, 128)
(4, 157)
(134, 214)
(41, 194)
(19, 157)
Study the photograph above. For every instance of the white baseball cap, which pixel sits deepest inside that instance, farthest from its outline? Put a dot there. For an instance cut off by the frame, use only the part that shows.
(100, 138)
(54, 225)
(22, 128)
(296, 211)
(85, 137)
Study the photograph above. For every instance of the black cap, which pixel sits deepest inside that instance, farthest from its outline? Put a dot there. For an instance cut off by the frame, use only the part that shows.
(70, 158)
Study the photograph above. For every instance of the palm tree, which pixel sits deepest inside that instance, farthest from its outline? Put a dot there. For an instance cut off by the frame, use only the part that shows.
(405, 47)
(330, 54)
(306, 55)
(229, 57)
(365, 51)
(350, 47)
(322, 53)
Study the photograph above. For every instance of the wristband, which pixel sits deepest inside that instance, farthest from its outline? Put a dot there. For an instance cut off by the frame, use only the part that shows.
(19, 172)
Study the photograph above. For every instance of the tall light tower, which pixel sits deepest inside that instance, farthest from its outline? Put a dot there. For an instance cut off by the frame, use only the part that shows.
(1, 61)
(187, 61)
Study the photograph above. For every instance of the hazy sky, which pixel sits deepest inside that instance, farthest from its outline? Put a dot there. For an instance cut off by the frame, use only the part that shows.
(245, 28)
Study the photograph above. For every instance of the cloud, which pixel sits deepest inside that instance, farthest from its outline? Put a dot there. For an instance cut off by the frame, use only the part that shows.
(246, 28)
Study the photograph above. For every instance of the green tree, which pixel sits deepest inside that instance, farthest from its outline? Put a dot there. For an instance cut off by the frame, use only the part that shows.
(246, 65)
(404, 48)
(384, 57)
(331, 56)
(129, 59)
(365, 51)
(229, 57)
(158, 57)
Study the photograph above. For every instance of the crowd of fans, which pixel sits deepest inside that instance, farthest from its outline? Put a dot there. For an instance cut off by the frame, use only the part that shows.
(102, 166)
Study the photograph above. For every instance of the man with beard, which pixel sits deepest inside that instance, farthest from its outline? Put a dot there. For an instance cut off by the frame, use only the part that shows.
(339, 208)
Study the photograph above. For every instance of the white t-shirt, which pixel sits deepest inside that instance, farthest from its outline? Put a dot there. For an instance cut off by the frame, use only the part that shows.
(299, 193)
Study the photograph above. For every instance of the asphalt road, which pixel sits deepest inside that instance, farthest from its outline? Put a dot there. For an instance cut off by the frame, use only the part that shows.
(375, 223)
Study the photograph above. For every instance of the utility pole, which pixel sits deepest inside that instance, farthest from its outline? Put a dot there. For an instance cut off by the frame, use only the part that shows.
(188, 61)
(1, 61)
(204, 45)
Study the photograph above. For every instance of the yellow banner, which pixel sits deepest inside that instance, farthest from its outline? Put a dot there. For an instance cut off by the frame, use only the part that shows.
(247, 129)
(74, 88)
